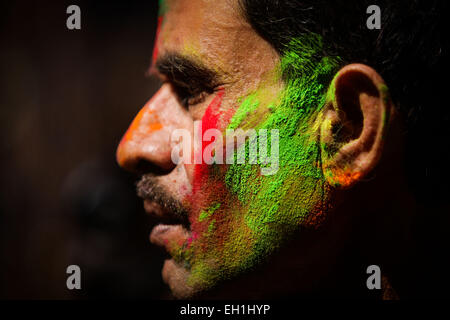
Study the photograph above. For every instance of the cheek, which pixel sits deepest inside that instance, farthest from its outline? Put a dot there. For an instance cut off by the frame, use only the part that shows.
(198, 171)
(209, 191)
(209, 121)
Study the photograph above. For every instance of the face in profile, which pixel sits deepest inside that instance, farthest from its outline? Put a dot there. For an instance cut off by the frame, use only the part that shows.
(270, 142)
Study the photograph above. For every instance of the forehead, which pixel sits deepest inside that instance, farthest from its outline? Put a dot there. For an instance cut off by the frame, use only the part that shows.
(196, 24)
(214, 32)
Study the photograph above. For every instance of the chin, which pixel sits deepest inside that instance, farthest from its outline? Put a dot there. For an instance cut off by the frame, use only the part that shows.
(182, 286)
(176, 277)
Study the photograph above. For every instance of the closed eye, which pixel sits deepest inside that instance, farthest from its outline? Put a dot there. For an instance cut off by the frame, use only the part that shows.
(192, 81)
(191, 96)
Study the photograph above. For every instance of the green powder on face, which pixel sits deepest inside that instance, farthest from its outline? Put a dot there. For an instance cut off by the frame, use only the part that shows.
(269, 209)
(211, 226)
(277, 205)
(247, 107)
(205, 214)
(182, 254)
(162, 7)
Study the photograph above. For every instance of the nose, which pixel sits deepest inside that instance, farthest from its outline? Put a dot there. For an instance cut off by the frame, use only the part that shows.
(146, 144)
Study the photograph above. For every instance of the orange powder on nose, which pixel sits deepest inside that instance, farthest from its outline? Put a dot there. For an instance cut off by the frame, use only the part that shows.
(155, 126)
(137, 125)
(134, 125)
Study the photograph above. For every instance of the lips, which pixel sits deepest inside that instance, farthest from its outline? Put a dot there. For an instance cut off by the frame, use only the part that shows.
(170, 230)
(169, 235)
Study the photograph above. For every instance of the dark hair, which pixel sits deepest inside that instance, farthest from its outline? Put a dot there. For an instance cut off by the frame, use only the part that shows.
(408, 51)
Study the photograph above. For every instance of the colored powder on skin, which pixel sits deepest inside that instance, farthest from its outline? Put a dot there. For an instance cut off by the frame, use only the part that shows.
(298, 151)
(256, 214)
(156, 48)
(277, 205)
(385, 95)
(162, 7)
(270, 209)
(207, 189)
(211, 226)
(155, 126)
(208, 212)
(152, 125)
(209, 121)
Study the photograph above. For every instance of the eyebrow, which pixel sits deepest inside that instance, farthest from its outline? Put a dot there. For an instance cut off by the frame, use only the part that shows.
(187, 73)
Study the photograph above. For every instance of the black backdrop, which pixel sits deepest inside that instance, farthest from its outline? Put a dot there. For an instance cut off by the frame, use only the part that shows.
(66, 99)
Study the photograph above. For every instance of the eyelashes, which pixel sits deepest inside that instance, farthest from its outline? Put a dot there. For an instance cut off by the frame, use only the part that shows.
(192, 80)
(189, 96)
(193, 100)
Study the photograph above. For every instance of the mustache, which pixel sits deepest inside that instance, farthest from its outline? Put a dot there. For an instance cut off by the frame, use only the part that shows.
(149, 189)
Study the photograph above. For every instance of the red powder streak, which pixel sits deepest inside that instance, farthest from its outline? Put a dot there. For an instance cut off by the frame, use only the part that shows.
(156, 48)
(209, 121)
(212, 114)
(206, 187)
(191, 239)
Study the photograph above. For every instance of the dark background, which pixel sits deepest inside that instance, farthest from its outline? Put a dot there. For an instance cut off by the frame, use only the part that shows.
(67, 97)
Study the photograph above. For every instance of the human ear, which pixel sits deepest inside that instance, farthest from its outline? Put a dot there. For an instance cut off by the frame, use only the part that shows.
(354, 124)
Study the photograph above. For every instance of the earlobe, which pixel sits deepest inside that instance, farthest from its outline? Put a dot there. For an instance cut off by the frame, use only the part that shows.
(354, 124)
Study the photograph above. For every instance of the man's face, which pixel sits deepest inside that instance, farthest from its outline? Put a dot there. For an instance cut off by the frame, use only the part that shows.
(218, 73)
